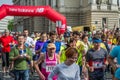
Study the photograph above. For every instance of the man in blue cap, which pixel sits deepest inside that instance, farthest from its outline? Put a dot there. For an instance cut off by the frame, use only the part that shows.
(96, 61)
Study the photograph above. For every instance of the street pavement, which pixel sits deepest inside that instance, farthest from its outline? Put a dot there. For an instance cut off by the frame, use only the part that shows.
(35, 76)
(8, 77)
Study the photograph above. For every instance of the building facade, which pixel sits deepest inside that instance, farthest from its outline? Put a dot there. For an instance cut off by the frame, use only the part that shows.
(87, 13)
(4, 23)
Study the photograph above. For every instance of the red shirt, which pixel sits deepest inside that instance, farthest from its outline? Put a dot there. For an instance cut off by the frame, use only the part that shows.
(5, 40)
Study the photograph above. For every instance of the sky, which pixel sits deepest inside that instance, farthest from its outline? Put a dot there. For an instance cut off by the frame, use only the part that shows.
(5, 2)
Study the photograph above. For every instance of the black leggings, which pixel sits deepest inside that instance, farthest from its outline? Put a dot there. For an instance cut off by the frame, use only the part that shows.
(5, 59)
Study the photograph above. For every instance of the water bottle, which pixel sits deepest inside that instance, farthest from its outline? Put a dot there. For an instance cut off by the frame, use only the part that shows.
(21, 52)
(24, 52)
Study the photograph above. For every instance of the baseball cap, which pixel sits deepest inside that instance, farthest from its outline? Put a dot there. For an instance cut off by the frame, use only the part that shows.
(51, 45)
(66, 34)
(97, 40)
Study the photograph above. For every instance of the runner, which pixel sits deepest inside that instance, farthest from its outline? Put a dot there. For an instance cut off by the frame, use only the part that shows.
(29, 42)
(86, 45)
(96, 61)
(80, 48)
(71, 43)
(115, 54)
(53, 39)
(39, 45)
(48, 61)
(67, 70)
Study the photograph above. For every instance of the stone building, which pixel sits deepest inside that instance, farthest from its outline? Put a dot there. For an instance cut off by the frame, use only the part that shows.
(4, 23)
(87, 13)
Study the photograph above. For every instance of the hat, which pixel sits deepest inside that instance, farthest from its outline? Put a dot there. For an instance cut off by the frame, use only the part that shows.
(6, 30)
(89, 33)
(97, 40)
(66, 34)
(51, 45)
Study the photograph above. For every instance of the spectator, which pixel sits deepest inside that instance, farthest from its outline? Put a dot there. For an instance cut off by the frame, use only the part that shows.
(20, 56)
(6, 41)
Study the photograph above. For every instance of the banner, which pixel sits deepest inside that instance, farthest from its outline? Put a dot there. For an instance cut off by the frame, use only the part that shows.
(46, 11)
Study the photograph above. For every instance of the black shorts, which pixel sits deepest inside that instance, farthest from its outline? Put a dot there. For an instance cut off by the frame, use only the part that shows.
(5, 59)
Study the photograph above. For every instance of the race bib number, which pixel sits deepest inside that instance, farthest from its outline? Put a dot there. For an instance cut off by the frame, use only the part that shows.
(97, 64)
(49, 68)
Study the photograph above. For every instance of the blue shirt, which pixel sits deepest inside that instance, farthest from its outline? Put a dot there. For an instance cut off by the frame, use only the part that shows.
(115, 53)
(39, 45)
(57, 44)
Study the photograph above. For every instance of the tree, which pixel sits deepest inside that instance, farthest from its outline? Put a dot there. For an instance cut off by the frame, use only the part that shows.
(10, 25)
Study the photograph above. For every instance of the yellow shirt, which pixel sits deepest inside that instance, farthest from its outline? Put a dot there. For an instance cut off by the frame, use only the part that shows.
(37, 38)
(114, 40)
(80, 48)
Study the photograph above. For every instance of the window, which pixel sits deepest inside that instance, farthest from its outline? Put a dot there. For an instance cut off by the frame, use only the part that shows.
(46, 2)
(29, 3)
(96, 22)
(91, 1)
(33, 2)
(82, 2)
(25, 2)
(54, 3)
(98, 1)
(119, 22)
(62, 3)
(110, 2)
(118, 2)
(57, 3)
(50, 1)
(104, 22)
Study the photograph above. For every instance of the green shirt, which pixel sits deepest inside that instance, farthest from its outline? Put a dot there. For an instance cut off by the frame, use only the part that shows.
(20, 64)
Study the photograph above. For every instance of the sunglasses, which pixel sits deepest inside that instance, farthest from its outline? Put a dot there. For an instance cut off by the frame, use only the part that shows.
(51, 48)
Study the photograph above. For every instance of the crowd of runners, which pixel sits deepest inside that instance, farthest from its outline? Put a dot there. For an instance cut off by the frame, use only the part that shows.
(66, 56)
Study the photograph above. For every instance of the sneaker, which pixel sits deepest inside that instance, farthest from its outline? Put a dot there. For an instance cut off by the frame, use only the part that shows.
(11, 73)
(3, 74)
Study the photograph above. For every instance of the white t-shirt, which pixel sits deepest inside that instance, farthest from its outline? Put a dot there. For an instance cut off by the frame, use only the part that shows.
(30, 42)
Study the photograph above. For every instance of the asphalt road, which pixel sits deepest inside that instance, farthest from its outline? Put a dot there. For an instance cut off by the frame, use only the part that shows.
(8, 77)
(35, 76)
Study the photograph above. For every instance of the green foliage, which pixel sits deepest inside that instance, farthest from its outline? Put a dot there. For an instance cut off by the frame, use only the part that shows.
(10, 25)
